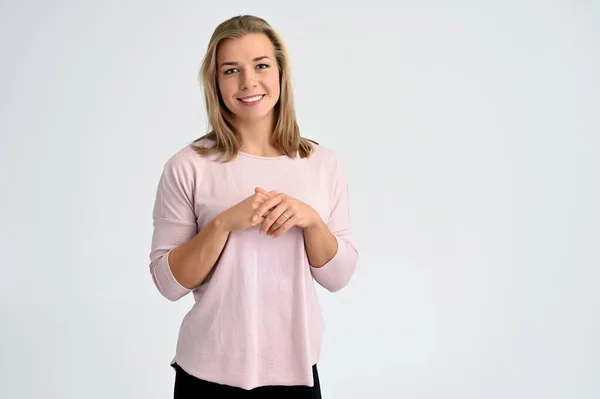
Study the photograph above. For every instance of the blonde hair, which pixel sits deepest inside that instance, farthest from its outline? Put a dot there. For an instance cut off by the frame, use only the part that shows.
(286, 136)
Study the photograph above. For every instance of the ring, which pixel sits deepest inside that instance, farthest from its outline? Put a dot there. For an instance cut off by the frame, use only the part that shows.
(286, 218)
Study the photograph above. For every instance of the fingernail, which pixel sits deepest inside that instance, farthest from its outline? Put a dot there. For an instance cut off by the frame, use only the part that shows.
(254, 218)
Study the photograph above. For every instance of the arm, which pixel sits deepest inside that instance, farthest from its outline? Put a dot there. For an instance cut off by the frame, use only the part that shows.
(192, 261)
(330, 247)
(321, 246)
(181, 257)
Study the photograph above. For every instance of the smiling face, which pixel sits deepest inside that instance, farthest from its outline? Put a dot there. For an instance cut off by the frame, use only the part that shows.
(248, 77)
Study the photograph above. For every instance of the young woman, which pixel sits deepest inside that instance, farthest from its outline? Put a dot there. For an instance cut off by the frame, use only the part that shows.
(247, 217)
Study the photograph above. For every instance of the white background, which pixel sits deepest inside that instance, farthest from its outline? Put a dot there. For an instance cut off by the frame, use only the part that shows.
(470, 134)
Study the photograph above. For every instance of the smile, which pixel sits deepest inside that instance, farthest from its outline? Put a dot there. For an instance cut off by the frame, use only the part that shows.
(251, 100)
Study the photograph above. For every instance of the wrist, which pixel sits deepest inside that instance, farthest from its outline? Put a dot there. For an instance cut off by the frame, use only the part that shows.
(220, 223)
(316, 225)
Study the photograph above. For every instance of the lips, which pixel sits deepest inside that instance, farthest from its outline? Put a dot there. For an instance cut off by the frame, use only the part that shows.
(255, 97)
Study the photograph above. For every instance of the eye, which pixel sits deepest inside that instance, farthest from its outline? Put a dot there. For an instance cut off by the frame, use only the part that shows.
(228, 72)
(265, 66)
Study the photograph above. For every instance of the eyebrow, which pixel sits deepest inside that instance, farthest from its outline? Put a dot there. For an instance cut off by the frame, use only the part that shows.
(235, 63)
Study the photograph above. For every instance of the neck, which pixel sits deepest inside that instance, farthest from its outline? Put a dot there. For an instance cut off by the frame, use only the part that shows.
(256, 137)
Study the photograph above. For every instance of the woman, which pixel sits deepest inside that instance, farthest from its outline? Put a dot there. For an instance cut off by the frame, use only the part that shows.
(246, 218)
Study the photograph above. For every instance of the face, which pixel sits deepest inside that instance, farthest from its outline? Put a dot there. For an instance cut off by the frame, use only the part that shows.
(248, 77)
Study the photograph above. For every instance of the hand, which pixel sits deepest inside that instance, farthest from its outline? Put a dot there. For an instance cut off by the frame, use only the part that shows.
(239, 216)
(281, 212)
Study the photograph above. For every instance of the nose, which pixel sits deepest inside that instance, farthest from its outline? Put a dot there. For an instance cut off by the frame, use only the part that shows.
(248, 80)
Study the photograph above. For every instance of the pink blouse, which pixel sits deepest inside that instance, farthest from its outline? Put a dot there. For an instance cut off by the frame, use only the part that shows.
(256, 318)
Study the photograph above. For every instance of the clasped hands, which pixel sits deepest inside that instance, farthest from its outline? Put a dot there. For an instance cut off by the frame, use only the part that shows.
(275, 212)
(280, 212)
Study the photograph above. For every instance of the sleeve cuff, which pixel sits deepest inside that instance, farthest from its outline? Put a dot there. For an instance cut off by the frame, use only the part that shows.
(166, 282)
(335, 274)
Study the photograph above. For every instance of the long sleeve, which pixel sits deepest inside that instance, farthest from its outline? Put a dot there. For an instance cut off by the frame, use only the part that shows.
(174, 224)
(336, 273)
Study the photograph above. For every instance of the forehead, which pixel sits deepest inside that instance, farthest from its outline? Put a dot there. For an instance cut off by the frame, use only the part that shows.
(245, 48)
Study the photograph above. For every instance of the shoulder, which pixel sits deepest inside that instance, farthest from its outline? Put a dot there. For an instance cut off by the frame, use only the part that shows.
(325, 156)
(183, 169)
(322, 152)
(187, 158)
(329, 161)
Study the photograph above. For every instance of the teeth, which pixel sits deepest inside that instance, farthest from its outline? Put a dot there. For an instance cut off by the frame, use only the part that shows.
(252, 99)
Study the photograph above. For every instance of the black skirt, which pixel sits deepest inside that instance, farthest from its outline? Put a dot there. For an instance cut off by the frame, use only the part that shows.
(187, 387)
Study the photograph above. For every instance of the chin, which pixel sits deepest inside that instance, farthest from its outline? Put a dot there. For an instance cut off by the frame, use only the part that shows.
(255, 116)
(252, 118)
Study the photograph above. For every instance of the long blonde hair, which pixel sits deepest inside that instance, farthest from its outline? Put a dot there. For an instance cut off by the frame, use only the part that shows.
(286, 136)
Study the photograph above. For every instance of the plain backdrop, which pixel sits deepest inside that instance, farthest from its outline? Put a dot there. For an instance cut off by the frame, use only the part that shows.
(470, 135)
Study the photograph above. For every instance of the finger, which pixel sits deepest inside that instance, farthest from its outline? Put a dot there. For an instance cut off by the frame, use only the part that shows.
(263, 197)
(285, 216)
(263, 191)
(291, 222)
(266, 206)
(258, 220)
(260, 190)
(259, 198)
(268, 194)
(258, 216)
(273, 216)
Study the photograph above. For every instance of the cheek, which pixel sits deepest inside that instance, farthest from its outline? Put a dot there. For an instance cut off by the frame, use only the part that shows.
(227, 90)
(274, 86)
